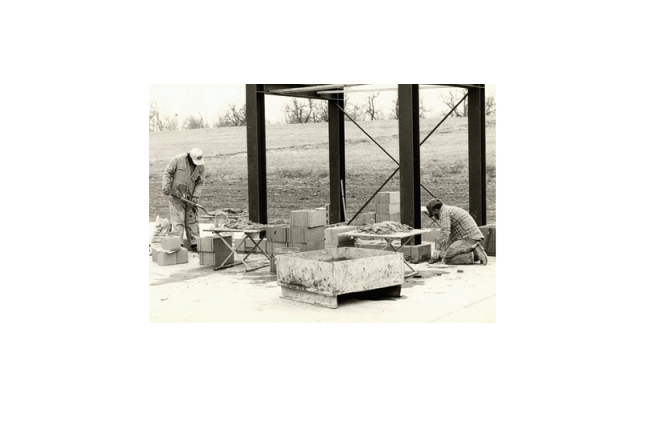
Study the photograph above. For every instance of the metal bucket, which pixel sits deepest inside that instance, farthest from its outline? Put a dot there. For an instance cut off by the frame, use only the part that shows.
(281, 251)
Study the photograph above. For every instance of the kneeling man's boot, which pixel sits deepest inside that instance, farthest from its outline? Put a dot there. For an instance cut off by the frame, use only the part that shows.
(480, 254)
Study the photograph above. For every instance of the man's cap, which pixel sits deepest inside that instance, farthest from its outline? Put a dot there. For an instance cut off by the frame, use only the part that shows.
(432, 203)
(197, 156)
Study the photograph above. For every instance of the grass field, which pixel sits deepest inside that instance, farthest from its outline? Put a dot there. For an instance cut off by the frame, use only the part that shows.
(298, 165)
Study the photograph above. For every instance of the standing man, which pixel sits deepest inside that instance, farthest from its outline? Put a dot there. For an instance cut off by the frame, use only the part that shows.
(461, 236)
(184, 178)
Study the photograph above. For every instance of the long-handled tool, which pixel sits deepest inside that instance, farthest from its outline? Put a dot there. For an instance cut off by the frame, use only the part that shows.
(193, 204)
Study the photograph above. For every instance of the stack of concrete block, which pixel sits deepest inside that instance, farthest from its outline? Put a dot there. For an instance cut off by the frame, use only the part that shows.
(325, 210)
(388, 207)
(335, 237)
(306, 231)
(364, 219)
(276, 237)
(489, 242)
(170, 252)
(212, 251)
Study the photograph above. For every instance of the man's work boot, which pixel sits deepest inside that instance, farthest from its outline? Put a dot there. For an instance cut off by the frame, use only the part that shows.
(194, 248)
(480, 254)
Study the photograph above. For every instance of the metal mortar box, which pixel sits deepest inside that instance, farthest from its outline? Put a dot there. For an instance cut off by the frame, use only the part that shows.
(318, 277)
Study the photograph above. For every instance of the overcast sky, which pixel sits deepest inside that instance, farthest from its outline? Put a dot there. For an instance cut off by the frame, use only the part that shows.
(211, 99)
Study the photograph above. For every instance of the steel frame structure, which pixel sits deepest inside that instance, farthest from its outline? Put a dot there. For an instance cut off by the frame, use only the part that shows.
(409, 159)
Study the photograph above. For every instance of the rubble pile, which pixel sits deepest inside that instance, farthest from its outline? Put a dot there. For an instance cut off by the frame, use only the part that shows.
(243, 224)
(386, 227)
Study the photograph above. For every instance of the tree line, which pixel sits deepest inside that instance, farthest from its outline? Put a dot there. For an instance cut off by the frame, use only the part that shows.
(299, 110)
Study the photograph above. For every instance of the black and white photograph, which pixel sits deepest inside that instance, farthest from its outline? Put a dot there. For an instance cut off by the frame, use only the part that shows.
(322, 203)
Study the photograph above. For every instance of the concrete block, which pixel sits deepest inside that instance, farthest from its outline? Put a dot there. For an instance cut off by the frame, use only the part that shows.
(182, 256)
(299, 218)
(165, 259)
(171, 244)
(489, 242)
(213, 243)
(368, 218)
(154, 254)
(277, 233)
(388, 197)
(431, 236)
(332, 235)
(388, 208)
(316, 219)
(215, 258)
(306, 235)
(417, 253)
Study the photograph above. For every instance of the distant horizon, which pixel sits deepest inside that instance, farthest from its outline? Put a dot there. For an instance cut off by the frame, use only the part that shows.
(211, 100)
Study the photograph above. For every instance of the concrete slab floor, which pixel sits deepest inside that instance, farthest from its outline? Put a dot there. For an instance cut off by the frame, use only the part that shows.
(190, 293)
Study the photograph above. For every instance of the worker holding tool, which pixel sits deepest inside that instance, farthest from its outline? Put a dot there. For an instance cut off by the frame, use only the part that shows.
(460, 240)
(183, 181)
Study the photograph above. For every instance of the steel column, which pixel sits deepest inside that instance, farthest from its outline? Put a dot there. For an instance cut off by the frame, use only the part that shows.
(477, 156)
(409, 156)
(256, 138)
(336, 160)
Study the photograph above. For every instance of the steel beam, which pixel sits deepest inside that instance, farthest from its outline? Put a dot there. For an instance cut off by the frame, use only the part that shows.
(477, 155)
(256, 139)
(336, 160)
(409, 156)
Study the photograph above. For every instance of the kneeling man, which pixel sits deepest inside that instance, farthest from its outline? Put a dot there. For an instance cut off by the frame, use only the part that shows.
(460, 240)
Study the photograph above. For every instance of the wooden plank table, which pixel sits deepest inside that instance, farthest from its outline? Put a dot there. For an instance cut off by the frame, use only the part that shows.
(247, 234)
(403, 237)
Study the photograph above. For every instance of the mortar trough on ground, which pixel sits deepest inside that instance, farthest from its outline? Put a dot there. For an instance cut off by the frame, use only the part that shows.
(319, 277)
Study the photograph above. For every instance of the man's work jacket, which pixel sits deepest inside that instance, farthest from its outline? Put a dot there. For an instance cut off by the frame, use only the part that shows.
(457, 224)
(181, 180)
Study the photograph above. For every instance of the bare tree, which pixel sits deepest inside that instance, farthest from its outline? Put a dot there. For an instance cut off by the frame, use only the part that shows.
(155, 124)
(234, 115)
(490, 105)
(451, 98)
(298, 111)
(370, 107)
(354, 111)
(171, 122)
(321, 111)
(422, 108)
(193, 122)
(394, 111)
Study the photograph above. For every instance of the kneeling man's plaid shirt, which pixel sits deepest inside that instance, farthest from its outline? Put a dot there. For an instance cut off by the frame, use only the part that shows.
(457, 224)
